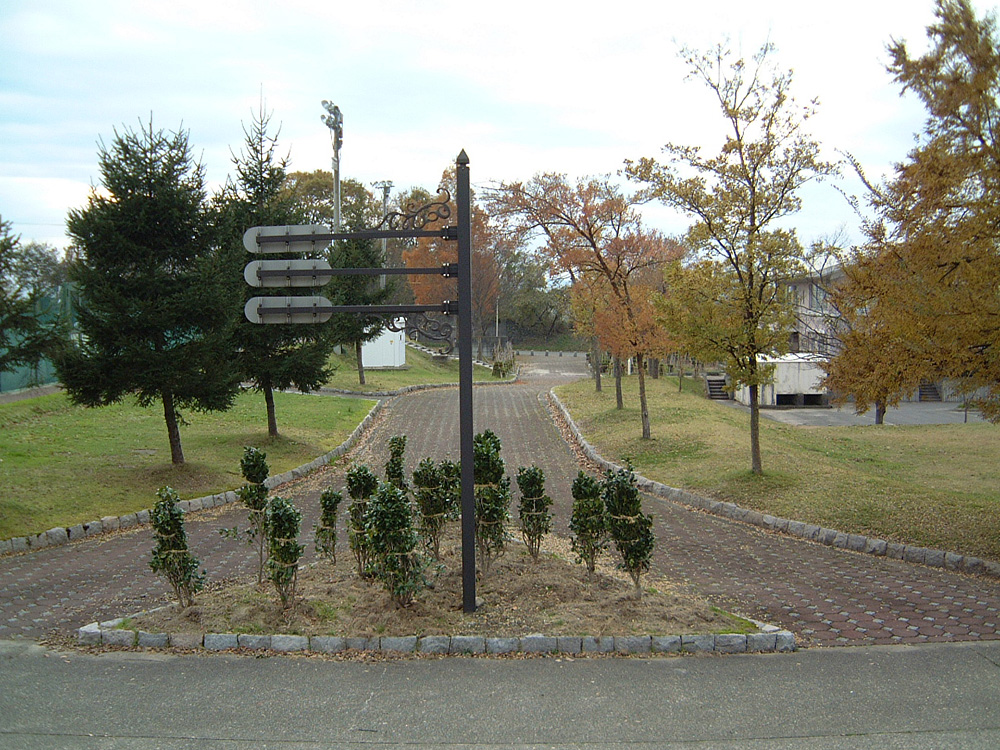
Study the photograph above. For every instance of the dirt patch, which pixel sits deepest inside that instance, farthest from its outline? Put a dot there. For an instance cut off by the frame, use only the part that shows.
(520, 596)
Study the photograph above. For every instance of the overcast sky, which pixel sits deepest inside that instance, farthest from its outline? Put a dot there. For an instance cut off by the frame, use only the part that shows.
(570, 86)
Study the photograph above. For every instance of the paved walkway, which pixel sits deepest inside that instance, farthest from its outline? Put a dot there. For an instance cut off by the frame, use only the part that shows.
(827, 596)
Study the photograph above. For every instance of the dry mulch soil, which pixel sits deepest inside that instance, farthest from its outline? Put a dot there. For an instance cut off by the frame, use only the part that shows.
(520, 596)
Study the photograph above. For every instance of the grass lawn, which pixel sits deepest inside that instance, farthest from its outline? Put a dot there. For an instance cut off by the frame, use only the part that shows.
(935, 486)
(421, 369)
(61, 464)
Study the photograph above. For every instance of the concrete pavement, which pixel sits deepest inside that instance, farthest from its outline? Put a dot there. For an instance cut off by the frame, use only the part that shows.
(909, 413)
(916, 697)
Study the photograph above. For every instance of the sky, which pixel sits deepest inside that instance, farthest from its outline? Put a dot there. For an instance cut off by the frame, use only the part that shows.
(568, 86)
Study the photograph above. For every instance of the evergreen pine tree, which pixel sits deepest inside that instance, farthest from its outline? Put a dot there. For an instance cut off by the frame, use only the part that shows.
(156, 307)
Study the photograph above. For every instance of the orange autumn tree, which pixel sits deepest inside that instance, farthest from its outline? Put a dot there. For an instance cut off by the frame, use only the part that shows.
(929, 273)
(489, 248)
(592, 230)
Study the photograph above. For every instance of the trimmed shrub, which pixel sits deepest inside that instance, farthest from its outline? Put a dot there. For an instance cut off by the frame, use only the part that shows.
(254, 496)
(451, 487)
(394, 471)
(589, 522)
(393, 543)
(631, 530)
(533, 510)
(283, 522)
(171, 557)
(492, 490)
(361, 485)
(432, 502)
(326, 529)
(254, 465)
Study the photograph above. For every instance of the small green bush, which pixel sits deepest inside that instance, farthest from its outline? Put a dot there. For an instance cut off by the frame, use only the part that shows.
(283, 522)
(432, 503)
(533, 510)
(631, 530)
(492, 489)
(451, 487)
(254, 496)
(326, 529)
(171, 557)
(361, 485)
(589, 522)
(393, 544)
(254, 465)
(394, 471)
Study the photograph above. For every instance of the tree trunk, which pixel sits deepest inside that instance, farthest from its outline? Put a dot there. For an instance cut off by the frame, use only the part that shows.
(595, 362)
(173, 430)
(654, 368)
(680, 374)
(879, 412)
(646, 434)
(272, 420)
(619, 402)
(755, 430)
(361, 364)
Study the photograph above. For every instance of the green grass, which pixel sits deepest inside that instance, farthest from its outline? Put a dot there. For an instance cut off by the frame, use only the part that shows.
(421, 369)
(934, 486)
(62, 464)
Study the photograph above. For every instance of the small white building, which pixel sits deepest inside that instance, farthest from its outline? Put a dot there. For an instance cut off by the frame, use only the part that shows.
(796, 382)
(388, 350)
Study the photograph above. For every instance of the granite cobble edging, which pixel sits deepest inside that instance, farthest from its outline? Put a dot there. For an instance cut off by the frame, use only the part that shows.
(771, 640)
(58, 535)
(829, 537)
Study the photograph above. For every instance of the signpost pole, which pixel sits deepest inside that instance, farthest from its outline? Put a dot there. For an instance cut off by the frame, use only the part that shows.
(463, 199)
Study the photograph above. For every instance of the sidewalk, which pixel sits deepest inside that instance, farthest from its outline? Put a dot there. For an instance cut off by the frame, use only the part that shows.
(936, 697)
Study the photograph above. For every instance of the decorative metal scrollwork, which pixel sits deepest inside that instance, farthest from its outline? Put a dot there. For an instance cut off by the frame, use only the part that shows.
(434, 329)
(417, 217)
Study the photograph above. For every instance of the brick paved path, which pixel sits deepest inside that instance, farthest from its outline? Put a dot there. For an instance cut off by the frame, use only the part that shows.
(827, 596)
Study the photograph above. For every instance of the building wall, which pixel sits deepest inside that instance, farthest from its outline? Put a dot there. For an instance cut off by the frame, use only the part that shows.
(388, 350)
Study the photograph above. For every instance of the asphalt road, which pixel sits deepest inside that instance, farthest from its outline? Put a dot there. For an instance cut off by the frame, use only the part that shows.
(914, 697)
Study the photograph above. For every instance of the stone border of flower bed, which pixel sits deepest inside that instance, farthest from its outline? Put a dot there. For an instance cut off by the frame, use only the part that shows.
(830, 537)
(771, 640)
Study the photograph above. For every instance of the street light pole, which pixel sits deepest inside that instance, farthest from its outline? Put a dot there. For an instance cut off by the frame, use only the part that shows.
(385, 186)
(335, 121)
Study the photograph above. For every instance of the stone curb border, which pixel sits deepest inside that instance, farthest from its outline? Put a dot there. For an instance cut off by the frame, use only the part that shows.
(830, 537)
(60, 535)
(772, 640)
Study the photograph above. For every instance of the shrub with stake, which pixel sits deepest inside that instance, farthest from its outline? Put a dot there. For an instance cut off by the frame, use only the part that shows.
(393, 544)
(631, 530)
(254, 496)
(171, 557)
(432, 502)
(361, 485)
(394, 472)
(533, 510)
(326, 529)
(451, 487)
(492, 491)
(588, 523)
(283, 521)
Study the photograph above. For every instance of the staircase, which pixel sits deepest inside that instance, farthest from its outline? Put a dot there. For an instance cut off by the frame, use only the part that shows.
(928, 391)
(716, 388)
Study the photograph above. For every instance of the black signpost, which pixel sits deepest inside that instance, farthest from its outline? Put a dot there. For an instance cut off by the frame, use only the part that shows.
(310, 272)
